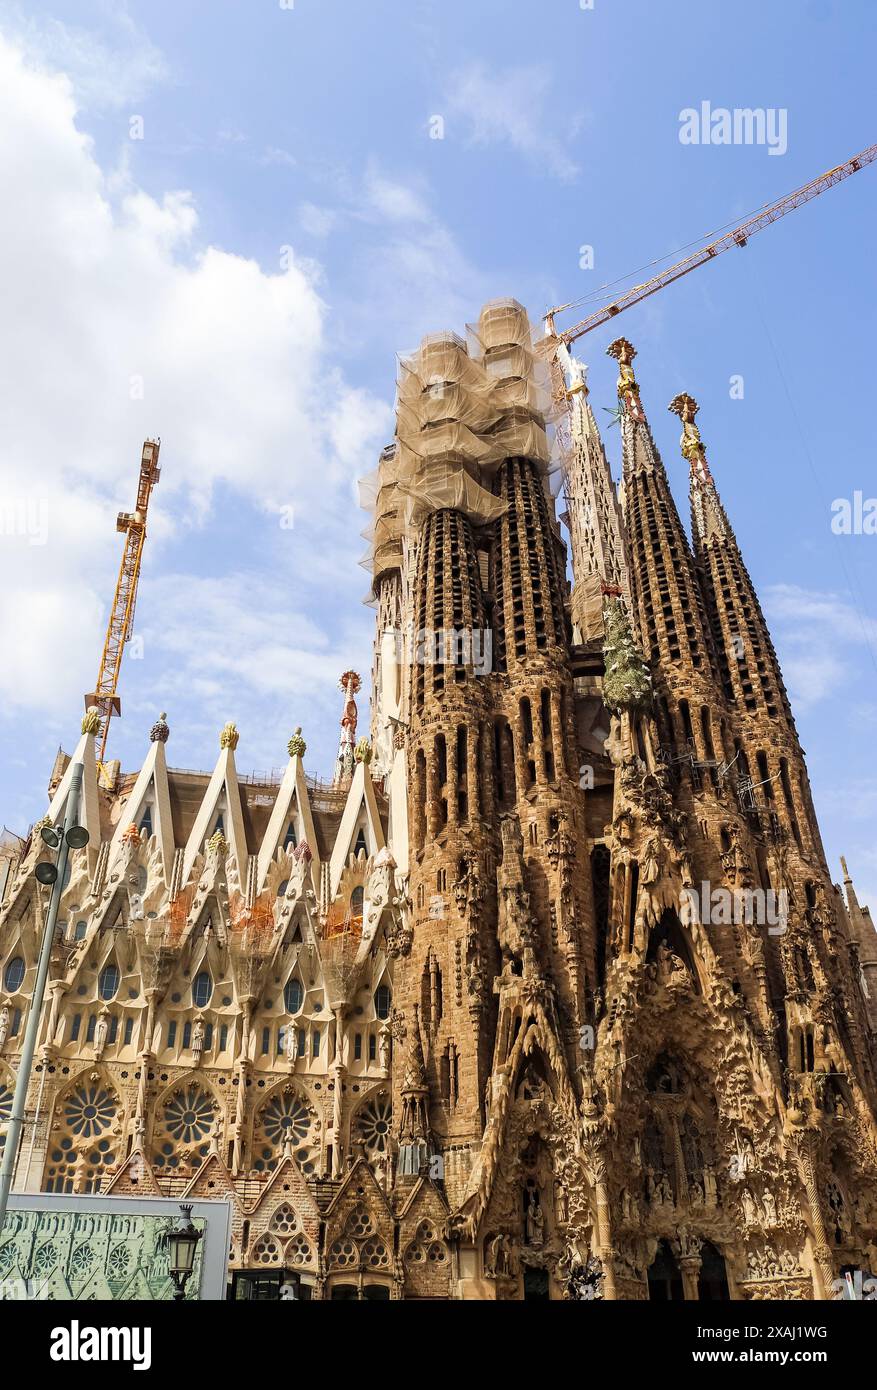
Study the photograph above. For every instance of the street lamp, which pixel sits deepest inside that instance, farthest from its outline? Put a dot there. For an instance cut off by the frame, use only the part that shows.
(73, 836)
(182, 1242)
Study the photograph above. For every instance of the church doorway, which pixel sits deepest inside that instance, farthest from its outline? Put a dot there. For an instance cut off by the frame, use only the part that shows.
(665, 1278)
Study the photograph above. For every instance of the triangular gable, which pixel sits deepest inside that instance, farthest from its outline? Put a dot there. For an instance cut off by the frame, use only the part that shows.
(424, 1199)
(153, 774)
(213, 1181)
(288, 1174)
(293, 803)
(361, 796)
(134, 1178)
(89, 803)
(224, 779)
(359, 1175)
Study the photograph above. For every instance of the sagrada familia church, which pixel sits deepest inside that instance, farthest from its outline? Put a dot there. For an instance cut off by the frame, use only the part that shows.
(548, 993)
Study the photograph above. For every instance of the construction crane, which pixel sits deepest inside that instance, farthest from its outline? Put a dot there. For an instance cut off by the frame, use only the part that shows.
(105, 697)
(771, 212)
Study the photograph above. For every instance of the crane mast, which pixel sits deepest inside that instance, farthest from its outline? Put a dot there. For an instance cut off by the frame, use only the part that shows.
(105, 697)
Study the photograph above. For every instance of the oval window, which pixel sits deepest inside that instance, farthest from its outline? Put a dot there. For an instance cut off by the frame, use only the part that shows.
(293, 996)
(108, 982)
(202, 988)
(14, 974)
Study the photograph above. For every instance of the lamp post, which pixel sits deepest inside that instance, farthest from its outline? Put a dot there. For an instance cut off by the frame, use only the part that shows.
(74, 836)
(182, 1242)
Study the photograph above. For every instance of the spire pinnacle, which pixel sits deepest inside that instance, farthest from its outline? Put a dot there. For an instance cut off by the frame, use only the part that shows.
(628, 387)
(350, 683)
(690, 443)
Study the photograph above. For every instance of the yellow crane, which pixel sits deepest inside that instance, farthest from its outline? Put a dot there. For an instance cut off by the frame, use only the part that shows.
(739, 236)
(105, 697)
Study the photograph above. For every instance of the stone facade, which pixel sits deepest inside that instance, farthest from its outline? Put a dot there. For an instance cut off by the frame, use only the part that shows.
(550, 993)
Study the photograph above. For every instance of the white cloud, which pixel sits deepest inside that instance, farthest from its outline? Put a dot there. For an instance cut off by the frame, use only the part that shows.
(107, 290)
(514, 107)
(818, 635)
(394, 201)
(105, 74)
(316, 221)
(273, 155)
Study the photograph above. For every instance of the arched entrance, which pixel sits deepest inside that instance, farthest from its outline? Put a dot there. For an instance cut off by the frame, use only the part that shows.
(665, 1277)
(712, 1281)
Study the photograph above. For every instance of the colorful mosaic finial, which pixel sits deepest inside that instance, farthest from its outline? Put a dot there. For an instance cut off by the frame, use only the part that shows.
(91, 720)
(691, 444)
(627, 385)
(160, 733)
(363, 751)
(217, 844)
(296, 747)
(229, 736)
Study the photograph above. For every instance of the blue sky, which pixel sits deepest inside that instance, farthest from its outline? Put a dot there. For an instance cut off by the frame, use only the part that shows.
(239, 279)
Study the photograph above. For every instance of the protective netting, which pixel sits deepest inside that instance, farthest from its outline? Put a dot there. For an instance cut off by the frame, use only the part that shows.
(461, 408)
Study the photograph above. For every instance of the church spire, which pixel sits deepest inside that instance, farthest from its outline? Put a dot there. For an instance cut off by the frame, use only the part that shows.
(667, 600)
(750, 669)
(593, 516)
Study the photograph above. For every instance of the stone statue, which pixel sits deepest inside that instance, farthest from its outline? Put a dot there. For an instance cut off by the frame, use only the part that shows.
(4, 1025)
(101, 1031)
(384, 1048)
(198, 1039)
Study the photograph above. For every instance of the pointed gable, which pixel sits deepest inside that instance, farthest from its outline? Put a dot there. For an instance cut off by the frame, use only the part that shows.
(222, 797)
(291, 807)
(360, 814)
(89, 804)
(150, 798)
(135, 1178)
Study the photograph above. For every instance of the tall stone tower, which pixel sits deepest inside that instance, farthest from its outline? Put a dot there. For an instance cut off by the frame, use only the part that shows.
(640, 1050)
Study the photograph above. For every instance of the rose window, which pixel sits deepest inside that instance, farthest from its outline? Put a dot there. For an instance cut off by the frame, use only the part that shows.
(118, 1262)
(284, 1221)
(285, 1119)
(81, 1262)
(45, 1259)
(82, 1151)
(89, 1111)
(426, 1248)
(266, 1251)
(359, 1223)
(298, 1252)
(375, 1254)
(188, 1122)
(374, 1124)
(343, 1253)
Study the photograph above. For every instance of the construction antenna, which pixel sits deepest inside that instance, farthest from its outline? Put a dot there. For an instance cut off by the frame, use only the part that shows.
(105, 697)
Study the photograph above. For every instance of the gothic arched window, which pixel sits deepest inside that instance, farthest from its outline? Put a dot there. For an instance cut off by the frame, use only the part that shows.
(374, 1123)
(83, 1145)
(108, 983)
(14, 975)
(184, 1127)
(293, 995)
(202, 989)
(383, 999)
(285, 1119)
